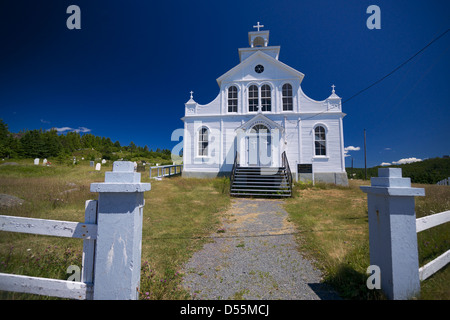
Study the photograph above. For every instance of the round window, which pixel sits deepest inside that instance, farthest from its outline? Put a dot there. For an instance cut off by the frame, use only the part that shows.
(259, 68)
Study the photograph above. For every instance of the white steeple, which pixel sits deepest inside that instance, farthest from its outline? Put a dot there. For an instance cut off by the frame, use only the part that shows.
(259, 41)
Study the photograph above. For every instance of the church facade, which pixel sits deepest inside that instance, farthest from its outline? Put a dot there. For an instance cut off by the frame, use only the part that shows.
(260, 113)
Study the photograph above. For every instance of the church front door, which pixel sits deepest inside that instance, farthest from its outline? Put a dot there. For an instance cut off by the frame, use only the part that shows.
(259, 146)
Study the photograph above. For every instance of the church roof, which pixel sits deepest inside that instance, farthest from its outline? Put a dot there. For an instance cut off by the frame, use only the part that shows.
(258, 55)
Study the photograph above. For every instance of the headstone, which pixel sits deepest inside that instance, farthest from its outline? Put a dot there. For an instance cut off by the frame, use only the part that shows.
(103, 161)
(91, 163)
(98, 166)
(36, 161)
(44, 162)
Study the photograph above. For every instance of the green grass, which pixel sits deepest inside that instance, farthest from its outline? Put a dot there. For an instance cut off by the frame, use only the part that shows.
(178, 213)
(333, 229)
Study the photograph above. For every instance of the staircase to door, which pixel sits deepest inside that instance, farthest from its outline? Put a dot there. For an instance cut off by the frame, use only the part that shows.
(261, 181)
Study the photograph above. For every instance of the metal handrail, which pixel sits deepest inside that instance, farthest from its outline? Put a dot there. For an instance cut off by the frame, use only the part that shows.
(285, 164)
(233, 170)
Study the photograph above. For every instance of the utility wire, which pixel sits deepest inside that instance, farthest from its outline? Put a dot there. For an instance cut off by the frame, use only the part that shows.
(400, 66)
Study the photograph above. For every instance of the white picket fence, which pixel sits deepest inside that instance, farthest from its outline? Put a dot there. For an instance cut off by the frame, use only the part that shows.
(445, 182)
(111, 233)
(166, 171)
(393, 229)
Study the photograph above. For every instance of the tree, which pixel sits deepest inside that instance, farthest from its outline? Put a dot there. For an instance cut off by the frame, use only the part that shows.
(132, 147)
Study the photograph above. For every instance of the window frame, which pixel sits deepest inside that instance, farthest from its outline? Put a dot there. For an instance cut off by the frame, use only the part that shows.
(287, 99)
(266, 101)
(234, 99)
(203, 144)
(320, 143)
(253, 98)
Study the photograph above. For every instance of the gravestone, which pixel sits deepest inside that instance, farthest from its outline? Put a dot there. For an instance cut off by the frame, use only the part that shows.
(98, 166)
(103, 161)
(91, 163)
(36, 161)
(44, 162)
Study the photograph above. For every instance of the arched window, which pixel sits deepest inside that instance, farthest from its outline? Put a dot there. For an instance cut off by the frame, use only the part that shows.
(266, 100)
(287, 97)
(232, 99)
(258, 42)
(203, 142)
(320, 141)
(253, 98)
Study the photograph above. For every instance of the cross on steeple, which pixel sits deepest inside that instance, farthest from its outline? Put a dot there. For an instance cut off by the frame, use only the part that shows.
(258, 26)
(333, 86)
(191, 94)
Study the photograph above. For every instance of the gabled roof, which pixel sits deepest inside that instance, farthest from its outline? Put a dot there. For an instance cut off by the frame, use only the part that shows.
(257, 55)
(260, 119)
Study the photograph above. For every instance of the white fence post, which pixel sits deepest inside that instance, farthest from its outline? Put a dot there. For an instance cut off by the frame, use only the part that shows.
(392, 232)
(119, 233)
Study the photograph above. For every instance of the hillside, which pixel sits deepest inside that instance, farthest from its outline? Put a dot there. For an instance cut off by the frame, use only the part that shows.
(63, 147)
(428, 171)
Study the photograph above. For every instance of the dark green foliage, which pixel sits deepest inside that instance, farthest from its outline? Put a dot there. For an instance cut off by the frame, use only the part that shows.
(429, 171)
(47, 144)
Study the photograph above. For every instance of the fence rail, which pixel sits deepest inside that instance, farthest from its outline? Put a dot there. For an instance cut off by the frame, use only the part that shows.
(166, 171)
(45, 286)
(53, 287)
(425, 223)
(48, 227)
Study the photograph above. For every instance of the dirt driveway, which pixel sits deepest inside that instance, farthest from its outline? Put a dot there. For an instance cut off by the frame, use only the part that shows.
(254, 258)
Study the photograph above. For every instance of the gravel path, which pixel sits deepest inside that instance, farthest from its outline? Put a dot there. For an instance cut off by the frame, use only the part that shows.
(254, 258)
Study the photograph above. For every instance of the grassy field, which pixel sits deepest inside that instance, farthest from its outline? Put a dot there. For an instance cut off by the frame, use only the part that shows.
(177, 213)
(333, 229)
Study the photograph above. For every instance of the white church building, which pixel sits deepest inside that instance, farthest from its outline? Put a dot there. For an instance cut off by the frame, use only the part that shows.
(260, 114)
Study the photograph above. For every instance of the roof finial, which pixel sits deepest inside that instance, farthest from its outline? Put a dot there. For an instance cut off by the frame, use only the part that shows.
(333, 86)
(258, 26)
(192, 92)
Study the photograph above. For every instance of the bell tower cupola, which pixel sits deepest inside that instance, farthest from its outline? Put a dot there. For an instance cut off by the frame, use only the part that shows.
(259, 41)
(258, 38)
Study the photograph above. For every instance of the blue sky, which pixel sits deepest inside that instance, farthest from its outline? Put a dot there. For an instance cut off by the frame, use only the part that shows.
(128, 72)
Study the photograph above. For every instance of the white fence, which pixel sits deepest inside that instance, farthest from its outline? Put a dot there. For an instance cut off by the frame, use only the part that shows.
(425, 223)
(166, 171)
(393, 229)
(111, 233)
(445, 182)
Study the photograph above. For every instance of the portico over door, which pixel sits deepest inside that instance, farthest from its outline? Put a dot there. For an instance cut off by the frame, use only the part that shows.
(259, 146)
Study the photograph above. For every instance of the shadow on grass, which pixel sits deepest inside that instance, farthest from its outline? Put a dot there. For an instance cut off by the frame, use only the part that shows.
(351, 284)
